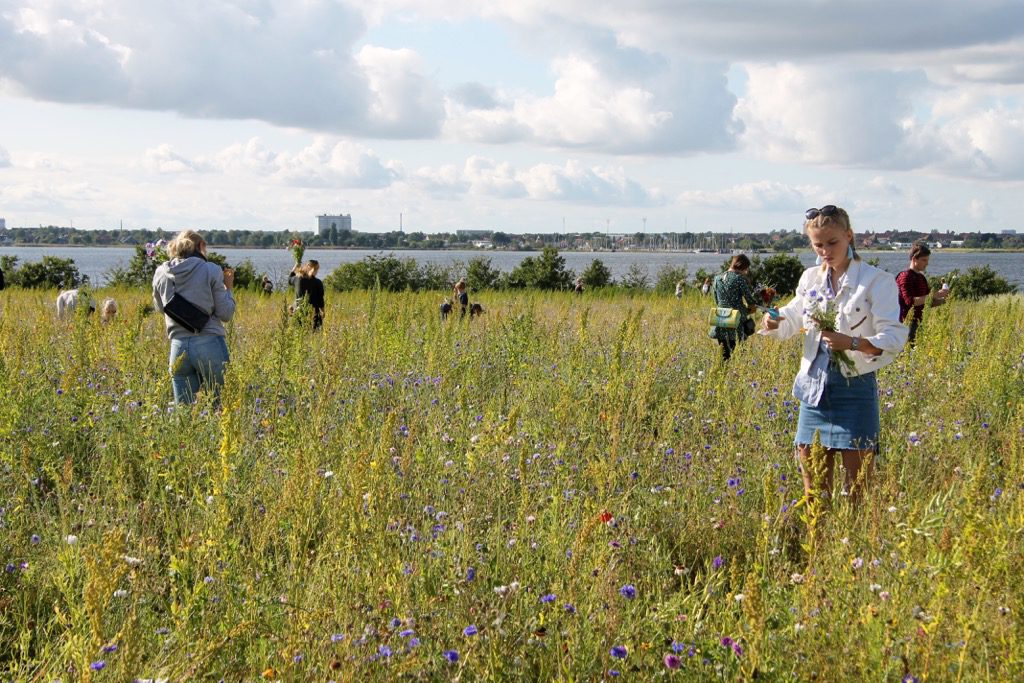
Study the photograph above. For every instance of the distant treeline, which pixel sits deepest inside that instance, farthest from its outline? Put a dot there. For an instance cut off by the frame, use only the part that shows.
(545, 271)
(781, 241)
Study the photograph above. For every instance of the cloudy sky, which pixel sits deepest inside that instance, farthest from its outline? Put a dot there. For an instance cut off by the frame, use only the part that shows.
(525, 117)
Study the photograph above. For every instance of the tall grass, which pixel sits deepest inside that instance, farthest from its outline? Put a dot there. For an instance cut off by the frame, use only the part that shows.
(566, 475)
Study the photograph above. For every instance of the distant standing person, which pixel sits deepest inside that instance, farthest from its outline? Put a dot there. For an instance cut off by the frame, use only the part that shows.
(462, 297)
(267, 285)
(578, 286)
(706, 287)
(679, 289)
(914, 290)
(197, 359)
(308, 287)
(732, 290)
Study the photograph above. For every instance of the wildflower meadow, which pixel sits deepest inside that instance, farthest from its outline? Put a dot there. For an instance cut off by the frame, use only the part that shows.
(566, 488)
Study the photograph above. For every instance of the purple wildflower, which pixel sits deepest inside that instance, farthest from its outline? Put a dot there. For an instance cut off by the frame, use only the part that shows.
(717, 562)
(619, 651)
(98, 665)
(550, 597)
(628, 591)
(672, 661)
(451, 655)
(470, 630)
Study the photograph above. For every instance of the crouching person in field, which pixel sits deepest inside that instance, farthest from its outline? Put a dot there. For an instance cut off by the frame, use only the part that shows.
(195, 297)
(108, 310)
(67, 302)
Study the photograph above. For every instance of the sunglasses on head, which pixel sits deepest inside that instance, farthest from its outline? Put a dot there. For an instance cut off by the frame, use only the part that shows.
(826, 211)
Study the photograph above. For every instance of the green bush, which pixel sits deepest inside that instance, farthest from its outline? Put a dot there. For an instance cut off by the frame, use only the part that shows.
(49, 273)
(780, 271)
(667, 278)
(977, 283)
(390, 273)
(546, 271)
(480, 275)
(597, 275)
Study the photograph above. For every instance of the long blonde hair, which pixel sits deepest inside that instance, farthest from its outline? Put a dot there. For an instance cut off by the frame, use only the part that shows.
(840, 219)
(308, 269)
(186, 243)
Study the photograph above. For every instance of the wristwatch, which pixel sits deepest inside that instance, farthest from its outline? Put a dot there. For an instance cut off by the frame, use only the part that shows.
(854, 343)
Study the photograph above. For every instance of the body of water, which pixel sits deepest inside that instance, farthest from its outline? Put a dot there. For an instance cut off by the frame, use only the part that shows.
(97, 262)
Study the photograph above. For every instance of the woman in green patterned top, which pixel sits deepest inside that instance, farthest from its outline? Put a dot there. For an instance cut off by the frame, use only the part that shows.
(732, 290)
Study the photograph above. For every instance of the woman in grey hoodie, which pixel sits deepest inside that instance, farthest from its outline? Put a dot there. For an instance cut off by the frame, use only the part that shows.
(197, 359)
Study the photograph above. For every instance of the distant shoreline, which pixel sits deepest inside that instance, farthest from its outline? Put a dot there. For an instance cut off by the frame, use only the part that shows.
(954, 250)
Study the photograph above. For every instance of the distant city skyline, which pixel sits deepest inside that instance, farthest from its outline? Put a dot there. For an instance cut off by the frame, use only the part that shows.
(531, 117)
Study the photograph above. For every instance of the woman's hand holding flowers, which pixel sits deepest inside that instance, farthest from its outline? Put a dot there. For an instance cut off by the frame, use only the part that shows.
(837, 341)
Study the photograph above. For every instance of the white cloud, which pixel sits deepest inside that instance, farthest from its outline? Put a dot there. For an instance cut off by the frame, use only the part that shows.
(826, 115)
(321, 164)
(405, 102)
(681, 108)
(286, 63)
(979, 210)
(5, 158)
(764, 195)
(572, 182)
(163, 159)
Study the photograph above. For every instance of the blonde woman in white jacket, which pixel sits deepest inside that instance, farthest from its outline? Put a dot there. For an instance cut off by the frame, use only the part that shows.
(839, 401)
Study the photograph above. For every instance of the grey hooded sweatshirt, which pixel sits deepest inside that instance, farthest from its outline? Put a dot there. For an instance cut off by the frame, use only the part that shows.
(202, 283)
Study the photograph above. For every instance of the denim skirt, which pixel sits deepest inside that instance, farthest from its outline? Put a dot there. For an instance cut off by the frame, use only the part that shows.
(846, 417)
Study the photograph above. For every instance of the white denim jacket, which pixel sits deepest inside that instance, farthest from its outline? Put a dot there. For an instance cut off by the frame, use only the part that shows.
(868, 307)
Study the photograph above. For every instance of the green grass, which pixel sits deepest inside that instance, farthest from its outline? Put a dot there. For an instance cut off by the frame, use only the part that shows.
(356, 478)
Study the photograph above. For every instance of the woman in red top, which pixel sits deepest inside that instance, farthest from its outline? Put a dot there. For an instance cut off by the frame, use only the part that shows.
(914, 290)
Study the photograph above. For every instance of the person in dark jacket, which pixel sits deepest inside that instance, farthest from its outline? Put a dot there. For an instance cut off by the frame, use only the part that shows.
(732, 290)
(197, 359)
(308, 287)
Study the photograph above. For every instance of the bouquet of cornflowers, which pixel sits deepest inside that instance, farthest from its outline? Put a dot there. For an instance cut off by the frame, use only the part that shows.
(298, 249)
(156, 252)
(823, 310)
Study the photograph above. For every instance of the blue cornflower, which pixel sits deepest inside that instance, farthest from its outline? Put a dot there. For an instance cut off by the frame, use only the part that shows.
(98, 665)
(717, 562)
(384, 651)
(337, 637)
(406, 633)
(395, 622)
(470, 574)
(451, 655)
(470, 630)
(677, 647)
(628, 591)
(570, 608)
(619, 651)
(550, 597)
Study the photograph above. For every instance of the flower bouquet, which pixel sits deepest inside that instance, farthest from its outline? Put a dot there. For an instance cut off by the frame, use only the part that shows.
(156, 252)
(823, 310)
(298, 249)
(765, 298)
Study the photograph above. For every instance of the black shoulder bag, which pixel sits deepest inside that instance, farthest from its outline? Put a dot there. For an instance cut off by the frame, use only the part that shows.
(186, 314)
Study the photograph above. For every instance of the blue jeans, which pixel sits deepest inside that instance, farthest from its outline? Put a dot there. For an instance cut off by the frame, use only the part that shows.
(196, 361)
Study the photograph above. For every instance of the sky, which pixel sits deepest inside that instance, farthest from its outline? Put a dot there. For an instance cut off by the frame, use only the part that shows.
(525, 116)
